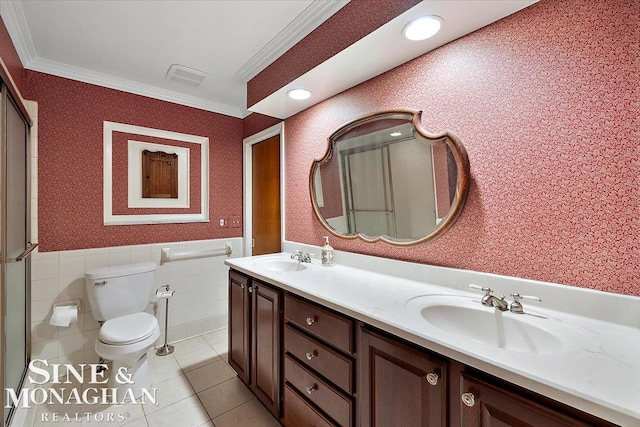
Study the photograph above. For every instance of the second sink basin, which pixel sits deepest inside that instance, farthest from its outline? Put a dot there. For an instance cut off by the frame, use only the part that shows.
(466, 317)
(288, 265)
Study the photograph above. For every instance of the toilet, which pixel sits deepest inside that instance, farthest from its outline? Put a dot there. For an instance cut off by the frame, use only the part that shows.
(119, 296)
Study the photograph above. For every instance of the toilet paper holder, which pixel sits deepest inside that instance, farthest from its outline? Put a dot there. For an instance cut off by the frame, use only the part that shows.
(65, 313)
(165, 294)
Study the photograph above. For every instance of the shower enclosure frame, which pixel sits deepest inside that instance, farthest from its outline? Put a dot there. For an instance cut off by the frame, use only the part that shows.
(9, 94)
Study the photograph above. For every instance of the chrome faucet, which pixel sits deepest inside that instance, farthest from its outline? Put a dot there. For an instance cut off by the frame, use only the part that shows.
(516, 305)
(301, 256)
(491, 300)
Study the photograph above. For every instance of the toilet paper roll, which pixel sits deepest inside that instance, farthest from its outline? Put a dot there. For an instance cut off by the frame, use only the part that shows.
(162, 294)
(64, 315)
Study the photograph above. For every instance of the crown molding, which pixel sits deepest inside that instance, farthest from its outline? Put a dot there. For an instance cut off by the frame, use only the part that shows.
(16, 23)
(314, 15)
(87, 76)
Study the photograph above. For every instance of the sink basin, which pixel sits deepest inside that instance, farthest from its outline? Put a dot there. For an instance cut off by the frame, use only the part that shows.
(280, 265)
(466, 317)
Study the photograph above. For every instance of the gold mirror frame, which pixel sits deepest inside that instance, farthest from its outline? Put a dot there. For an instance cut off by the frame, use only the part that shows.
(453, 142)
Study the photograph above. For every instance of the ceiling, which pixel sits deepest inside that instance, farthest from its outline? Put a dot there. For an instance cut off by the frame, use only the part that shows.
(130, 45)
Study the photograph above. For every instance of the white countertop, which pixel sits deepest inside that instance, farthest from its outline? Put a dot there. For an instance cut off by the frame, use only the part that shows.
(600, 376)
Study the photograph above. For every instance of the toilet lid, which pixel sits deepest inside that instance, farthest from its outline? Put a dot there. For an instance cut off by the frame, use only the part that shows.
(128, 329)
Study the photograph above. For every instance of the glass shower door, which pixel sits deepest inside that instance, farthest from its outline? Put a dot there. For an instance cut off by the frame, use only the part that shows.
(15, 246)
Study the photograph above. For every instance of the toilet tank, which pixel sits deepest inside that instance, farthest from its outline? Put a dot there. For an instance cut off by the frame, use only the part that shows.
(120, 290)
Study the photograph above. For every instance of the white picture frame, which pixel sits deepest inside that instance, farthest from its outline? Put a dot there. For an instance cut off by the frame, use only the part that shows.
(110, 218)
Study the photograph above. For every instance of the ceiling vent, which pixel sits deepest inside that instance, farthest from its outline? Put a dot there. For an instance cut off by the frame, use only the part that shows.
(185, 75)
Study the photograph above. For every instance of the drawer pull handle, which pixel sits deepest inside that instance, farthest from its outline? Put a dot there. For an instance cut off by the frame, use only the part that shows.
(312, 355)
(468, 399)
(311, 320)
(311, 389)
(432, 378)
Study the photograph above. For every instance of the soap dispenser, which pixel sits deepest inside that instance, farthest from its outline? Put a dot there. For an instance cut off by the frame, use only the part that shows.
(327, 253)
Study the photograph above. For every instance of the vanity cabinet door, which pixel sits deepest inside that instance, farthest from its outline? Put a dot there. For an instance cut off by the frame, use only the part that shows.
(483, 404)
(266, 332)
(399, 385)
(239, 324)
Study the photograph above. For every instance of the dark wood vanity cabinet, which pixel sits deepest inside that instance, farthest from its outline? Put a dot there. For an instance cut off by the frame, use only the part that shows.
(319, 366)
(239, 324)
(323, 368)
(400, 385)
(480, 400)
(255, 329)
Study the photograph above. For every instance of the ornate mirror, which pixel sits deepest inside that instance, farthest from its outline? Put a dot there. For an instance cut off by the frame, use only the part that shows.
(384, 178)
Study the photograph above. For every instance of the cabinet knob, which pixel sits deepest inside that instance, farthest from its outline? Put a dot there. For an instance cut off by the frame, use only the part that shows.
(311, 355)
(311, 389)
(468, 399)
(242, 286)
(311, 320)
(432, 378)
(250, 289)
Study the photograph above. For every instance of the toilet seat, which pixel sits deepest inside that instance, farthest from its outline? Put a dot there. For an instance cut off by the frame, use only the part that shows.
(128, 329)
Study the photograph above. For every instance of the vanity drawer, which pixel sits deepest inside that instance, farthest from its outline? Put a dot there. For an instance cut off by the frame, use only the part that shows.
(297, 412)
(326, 361)
(330, 400)
(333, 328)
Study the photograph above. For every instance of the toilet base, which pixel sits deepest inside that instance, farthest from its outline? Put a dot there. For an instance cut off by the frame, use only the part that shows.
(135, 378)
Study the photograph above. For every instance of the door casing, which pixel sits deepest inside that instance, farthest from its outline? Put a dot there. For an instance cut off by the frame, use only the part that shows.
(277, 129)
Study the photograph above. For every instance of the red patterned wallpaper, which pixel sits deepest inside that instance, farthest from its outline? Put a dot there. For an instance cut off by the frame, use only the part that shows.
(345, 27)
(256, 122)
(546, 103)
(10, 58)
(70, 120)
(120, 175)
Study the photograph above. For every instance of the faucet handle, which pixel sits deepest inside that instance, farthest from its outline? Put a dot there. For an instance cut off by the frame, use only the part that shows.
(516, 305)
(518, 297)
(486, 290)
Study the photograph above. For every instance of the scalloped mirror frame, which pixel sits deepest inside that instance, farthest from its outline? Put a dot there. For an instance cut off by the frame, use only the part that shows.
(457, 149)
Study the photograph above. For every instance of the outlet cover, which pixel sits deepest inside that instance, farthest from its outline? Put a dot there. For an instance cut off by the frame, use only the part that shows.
(235, 222)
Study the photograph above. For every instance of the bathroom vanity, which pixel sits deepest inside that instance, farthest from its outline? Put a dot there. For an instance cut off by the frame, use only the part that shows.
(352, 346)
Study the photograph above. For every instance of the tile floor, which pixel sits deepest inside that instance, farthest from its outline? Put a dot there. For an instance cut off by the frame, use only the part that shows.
(196, 387)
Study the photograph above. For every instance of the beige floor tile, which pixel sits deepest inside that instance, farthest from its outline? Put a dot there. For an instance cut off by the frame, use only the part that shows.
(111, 415)
(162, 368)
(224, 397)
(169, 392)
(196, 359)
(140, 422)
(210, 375)
(216, 337)
(250, 414)
(185, 413)
(189, 345)
(222, 349)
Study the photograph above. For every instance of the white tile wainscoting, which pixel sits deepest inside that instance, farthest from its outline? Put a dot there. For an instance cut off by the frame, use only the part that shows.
(200, 303)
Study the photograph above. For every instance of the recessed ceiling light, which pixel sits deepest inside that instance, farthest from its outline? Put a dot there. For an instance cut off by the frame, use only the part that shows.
(299, 93)
(395, 134)
(422, 28)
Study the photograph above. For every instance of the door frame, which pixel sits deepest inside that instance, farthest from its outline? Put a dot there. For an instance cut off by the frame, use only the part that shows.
(6, 97)
(277, 129)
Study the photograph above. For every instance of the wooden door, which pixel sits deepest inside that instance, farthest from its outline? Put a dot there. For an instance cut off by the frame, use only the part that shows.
(239, 324)
(265, 178)
(485, 405)
(265, 359)
(399, 385)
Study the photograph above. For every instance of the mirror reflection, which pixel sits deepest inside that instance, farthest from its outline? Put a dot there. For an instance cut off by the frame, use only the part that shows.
(384, 178)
